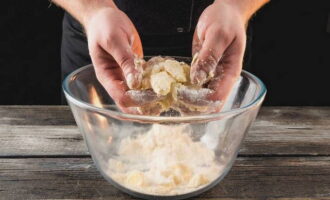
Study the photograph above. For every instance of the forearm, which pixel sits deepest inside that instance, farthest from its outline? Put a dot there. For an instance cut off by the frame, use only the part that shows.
(246, 7)
(82, 9)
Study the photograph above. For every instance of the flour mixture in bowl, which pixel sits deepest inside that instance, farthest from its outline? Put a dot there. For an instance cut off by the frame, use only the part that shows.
(164, 161)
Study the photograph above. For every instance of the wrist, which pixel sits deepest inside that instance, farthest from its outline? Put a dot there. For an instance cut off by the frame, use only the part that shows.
(93, 7)
(83, 10)
(245, 8)
(236, 5)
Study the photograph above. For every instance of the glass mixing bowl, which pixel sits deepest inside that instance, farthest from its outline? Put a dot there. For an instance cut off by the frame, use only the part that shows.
(107, 131)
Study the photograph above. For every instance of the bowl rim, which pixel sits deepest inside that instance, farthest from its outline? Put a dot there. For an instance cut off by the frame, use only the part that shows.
(149, 118)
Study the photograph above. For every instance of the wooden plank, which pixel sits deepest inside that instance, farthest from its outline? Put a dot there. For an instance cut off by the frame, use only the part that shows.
(251, 178)
(36, 115)
(297, 117)
(286, 140)
(289, 131)
(41, 141)
(67, 140)
(50, 130)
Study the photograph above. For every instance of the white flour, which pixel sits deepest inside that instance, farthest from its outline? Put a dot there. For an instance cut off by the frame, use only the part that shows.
(164, 161)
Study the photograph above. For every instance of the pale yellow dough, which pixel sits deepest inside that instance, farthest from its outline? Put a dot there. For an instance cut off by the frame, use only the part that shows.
(164, 76)
(176, 70)
(161, 82)
(164, 73)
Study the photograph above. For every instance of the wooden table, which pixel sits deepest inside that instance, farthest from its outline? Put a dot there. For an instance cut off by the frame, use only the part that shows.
(43, 156)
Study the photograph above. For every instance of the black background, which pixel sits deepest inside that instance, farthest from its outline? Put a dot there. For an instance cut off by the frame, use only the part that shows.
(291, 52)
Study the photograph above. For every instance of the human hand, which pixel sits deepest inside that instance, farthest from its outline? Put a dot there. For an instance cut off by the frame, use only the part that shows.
(219, 43)
(114, 44)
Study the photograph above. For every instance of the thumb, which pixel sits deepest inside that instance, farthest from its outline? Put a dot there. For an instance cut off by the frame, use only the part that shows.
(209, 54)
(124, 52)
(228, 70)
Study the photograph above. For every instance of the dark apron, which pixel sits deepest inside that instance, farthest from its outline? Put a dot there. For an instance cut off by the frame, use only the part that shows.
(165, 28)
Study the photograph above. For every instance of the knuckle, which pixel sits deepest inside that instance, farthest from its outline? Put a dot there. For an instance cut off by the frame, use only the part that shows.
(110, 40)
(125, 62)
(224, 34)
(100, 67)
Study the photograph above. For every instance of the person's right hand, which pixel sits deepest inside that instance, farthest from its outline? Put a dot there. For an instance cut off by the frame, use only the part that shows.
(113, 44)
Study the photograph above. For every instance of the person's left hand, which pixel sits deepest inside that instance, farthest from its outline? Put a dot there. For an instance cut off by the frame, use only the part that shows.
(219, 42)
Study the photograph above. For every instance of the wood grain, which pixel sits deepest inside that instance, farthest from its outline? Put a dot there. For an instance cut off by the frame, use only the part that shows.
(51, 130)
(41, 141)
(77, 178)
(286, 155)
(299, 117)
(36, 115)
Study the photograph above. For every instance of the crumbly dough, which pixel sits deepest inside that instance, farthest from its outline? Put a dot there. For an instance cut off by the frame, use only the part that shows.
(163, 72)
(165, 76)
(161, 82)
(164, 161)
(177, 70)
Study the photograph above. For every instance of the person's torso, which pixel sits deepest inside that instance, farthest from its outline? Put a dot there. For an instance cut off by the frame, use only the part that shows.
(156, 17)
(165, 27)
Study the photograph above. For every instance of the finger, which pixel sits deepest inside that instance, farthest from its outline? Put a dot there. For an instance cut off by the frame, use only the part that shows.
(196, 45)
(111, 77)
(143, 97)
(209, 55)
(122, 48)
(185, 109)
(117, 89)
(195, 97)
(228, 71)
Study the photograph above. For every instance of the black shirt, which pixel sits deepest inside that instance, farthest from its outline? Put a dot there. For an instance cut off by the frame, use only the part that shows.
(165, 28)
